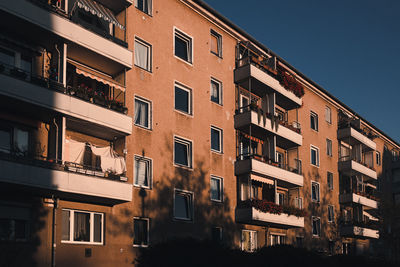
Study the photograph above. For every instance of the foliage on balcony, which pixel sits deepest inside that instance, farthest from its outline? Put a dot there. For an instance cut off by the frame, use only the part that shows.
(290, 83)
(270, 207)
(365, 194)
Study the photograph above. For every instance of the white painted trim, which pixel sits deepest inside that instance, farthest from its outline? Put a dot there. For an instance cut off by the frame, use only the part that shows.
(150, 102)
(183, 139)
(149, 55)
(191, 102)
(135, 156)
(221, 139)
(212, 176)
(191, 43)
(148, 231)
(221, 94)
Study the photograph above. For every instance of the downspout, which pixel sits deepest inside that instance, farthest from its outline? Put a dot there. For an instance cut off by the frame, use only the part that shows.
(53, 232)
(55, 124)
(58, 63)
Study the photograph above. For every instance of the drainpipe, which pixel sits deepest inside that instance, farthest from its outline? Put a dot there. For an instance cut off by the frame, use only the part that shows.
(55, 124)
(58, 63)
(53, 233)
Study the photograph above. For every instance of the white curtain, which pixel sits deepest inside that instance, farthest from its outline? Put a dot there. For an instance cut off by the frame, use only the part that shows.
(81, 226)
(214, 90)
(76, 151)
(141, 113)
(141, 173)
(110, 161)
(141, 58)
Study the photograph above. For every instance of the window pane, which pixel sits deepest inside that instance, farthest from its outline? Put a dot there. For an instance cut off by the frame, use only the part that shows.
(26, 64)
(82, 226)
(182, 203)
(215, 189)
(65, 225)
(215, 140)
(141, 113)
(21, 140)
(215, 92)
(181, 100)
(313, 157)
(181, 154)
(140, 232)
(142, 55)
(141, 172)
(181, 48)
(7, 57)
(5, 140)
(216, 234)
(97, 227)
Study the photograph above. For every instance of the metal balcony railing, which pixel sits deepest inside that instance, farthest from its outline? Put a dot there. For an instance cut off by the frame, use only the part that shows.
(264, 159)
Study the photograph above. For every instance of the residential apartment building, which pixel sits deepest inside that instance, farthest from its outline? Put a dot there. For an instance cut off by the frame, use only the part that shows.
(127, 123)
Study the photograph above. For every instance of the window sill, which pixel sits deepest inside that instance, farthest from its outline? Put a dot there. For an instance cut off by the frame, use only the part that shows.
(216, 103)
(140, 246)
(141, 68)
(217, 201)
(217, 152)
(184, 113)
(81, 243)
(184, 61)
(183, 220)
(183, 167)
(143, 127)
(141, 11)
(216, 54)
(142, 187)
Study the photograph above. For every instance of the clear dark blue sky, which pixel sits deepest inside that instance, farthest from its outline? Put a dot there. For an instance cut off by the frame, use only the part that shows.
(349, 47)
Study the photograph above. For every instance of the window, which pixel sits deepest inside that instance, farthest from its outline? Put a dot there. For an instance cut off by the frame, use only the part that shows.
(142, 54)
(298, 202)
(246, 193)
(329, 147)
(14, 140)
(249, 240)
(281, 114)
(216, 189)
(14, 223)
(314, 156)
(216, 44)
(315, 191)
(378, 158)
(280, 159)
(183, 46)
(314, 121)
(216, 91)
(216, 139)
(278, 240)
(331, 213)
(316, 226)
(140, 232)
(143, 172)
(298, 166)
(183, 99)
(281, 199)
(142, 113)
(328, 115)
(183, 205)
(82, 227)
(144, 5)
(182, 152)
(7, 57)
(216, 234)
(329, 177)
(299, 241)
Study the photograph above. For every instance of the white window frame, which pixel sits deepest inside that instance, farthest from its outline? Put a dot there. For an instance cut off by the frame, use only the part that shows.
(331, 211)
(253, 237)
(72, 224)
(148, 231)
(221, 138)
(315, 218)
(329, 147)
(319, 193)
(190, 99)
(219, 43)
(317, 157)
(149, 115)
(190, 44)
(298, 202)
(279, 238)
(221, 183)
(378, 158)
(150, 9)
(149, 165)
(328, 114)
(191, 205)
(220, 102)
(315, 116)
(149, 54)
(329, 183)
(189, 144)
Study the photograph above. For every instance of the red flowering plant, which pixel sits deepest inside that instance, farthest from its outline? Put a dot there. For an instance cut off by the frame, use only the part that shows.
(290, 83)
(270, 207)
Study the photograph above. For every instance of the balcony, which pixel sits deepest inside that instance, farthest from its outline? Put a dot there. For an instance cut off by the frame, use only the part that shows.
(71, 101)
(288, 135)
(359, 199)
(260, 71)
(76, 29)
(50, 176)
(288, 176)
(348, 166)
(276, 217)
(354, 136)
(358, 231)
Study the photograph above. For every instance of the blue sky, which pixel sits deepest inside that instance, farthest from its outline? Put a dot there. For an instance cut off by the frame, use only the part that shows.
(349, 47)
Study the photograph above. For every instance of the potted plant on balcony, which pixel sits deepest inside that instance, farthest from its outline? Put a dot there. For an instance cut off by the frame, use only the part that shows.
(99, 97)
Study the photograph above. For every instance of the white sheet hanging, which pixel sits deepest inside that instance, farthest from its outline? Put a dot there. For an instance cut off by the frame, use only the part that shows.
(74, 151)
(110, 161)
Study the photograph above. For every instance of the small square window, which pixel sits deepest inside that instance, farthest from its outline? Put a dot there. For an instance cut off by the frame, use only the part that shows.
(331, 213)
(330, 180)
(141, 232)
(216, 139)
(216, 91)
(182, 152)
(216, 188)
(314, 156)
(329, 147)
(144, 6)
(183, 99)
(314, 121)
(378, 158)
(183, 205)
(142, 54)
(316, 226)
(183, 46)
(328, 115)
(142, 113)
(216, 44)
(143, 172)
(315, 191)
